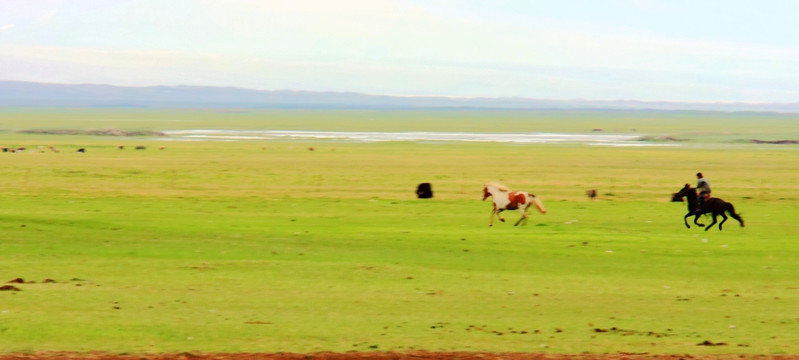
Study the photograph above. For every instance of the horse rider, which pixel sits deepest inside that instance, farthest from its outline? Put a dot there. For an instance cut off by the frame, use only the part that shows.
(703, 186)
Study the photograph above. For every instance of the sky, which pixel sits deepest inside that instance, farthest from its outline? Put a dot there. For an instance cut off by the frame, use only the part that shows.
(654, 50)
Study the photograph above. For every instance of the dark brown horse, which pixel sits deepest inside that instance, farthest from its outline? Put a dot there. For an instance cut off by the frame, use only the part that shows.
(714, 206)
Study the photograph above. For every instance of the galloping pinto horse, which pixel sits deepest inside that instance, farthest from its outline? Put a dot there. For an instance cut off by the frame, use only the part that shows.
(504, 199)
(714, 206)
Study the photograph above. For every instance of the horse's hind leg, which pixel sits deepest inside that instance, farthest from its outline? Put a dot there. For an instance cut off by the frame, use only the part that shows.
(712, 223)
(723, 219)
(524, 217)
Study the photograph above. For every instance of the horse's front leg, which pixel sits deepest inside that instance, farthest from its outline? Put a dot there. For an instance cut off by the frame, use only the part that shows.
(499, 216)
(491, 219)
(686, 220)
(712, 223)
(524, 217)
(696, 220)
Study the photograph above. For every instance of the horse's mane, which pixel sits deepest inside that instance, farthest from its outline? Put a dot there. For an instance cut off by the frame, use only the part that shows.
(499, 186)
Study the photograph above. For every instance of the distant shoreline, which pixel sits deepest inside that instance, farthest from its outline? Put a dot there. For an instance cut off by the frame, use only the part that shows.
(420, 136)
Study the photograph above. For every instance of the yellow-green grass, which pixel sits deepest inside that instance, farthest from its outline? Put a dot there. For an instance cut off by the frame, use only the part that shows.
(267, 246)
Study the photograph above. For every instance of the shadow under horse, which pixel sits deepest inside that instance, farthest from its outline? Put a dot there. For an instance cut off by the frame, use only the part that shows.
(714, 206)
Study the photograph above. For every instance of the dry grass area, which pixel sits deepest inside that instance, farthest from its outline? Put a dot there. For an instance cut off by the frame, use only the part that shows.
(416, 355)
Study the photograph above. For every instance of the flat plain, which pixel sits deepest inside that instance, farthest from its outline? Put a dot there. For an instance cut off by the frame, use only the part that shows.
(311, 246)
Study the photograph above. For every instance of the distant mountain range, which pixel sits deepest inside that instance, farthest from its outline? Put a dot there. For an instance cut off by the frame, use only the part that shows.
(31, 94)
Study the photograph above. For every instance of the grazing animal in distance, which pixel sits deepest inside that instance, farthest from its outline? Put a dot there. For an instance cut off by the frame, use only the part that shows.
(591, 194)
(424, 191)
(504, 199)
(713, 205)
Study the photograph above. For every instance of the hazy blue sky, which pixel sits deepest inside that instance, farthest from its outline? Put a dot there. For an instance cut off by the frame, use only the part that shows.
(682, 50)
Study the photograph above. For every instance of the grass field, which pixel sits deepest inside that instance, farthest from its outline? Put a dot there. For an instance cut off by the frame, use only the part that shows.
(265, 246)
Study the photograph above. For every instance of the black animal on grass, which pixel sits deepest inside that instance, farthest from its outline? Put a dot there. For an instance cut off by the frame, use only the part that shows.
(424, 191)
(712, 206)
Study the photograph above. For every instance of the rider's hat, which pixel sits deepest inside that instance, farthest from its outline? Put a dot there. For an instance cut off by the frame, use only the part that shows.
(699, 174)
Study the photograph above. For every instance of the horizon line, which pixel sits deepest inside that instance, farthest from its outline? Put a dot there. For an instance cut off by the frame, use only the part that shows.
(455, 97)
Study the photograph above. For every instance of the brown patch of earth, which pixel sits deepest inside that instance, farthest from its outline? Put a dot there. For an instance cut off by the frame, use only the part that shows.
(415, 355)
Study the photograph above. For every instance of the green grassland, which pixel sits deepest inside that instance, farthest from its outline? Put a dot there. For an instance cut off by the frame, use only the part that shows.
(265, 246)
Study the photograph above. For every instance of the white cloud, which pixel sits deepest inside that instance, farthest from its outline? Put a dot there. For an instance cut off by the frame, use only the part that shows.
(6, 27)
(45, 17)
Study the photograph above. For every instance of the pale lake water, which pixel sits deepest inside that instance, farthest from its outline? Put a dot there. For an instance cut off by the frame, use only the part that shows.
(438, 137)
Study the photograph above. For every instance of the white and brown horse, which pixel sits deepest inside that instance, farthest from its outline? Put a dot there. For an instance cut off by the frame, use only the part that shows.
(504, 199)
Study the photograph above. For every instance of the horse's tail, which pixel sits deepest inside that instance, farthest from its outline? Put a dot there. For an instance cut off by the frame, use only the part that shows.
(538, 204)
(731, 210)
